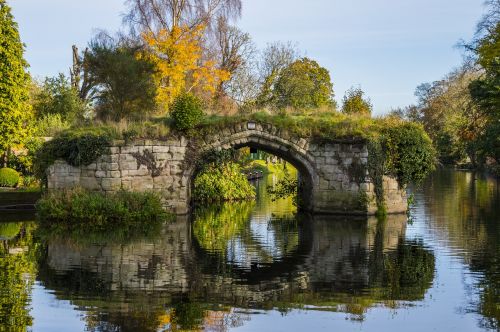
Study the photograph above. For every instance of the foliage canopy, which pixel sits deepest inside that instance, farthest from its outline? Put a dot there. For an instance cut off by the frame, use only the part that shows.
(304, 84)
(15, 111)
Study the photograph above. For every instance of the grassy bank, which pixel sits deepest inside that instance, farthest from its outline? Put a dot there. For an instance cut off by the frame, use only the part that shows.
(95, 211)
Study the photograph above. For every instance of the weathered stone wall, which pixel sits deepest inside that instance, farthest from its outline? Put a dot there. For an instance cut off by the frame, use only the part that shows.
(142, 166)
(333, 176)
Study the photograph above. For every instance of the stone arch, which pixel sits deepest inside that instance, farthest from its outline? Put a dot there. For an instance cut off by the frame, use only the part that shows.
(269, 139)
(334, 172)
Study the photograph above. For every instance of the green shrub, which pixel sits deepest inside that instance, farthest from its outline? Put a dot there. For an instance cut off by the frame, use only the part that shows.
(76, 147)
(187, 112)
(8, 177)
(410, 155)
(9, 230)
(78, 208)
(222, 182)
(23, 162)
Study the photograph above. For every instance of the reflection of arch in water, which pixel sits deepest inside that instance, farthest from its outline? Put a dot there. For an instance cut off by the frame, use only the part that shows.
(332, 258)
(212, 262)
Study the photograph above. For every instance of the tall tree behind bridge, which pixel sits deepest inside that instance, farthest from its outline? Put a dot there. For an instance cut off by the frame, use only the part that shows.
(234, 51)
(15, 111)
(152, 16)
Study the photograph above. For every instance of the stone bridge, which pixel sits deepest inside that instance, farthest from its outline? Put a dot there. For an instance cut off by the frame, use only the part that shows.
(333, 176)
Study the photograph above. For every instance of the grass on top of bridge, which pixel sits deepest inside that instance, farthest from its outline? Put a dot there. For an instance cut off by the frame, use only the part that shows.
(323, 126)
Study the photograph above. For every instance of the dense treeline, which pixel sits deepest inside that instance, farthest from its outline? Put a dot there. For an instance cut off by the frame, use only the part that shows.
(461, 112)
(191, 53)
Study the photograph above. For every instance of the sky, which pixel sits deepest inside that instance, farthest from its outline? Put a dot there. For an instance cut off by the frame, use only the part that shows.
(386, 47)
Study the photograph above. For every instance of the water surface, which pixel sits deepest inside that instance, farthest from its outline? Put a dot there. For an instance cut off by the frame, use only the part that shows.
(259, 266)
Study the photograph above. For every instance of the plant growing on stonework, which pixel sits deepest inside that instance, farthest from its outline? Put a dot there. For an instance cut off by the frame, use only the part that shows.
(410, 155)
(76, 147)
(15, 112)
(187, 111)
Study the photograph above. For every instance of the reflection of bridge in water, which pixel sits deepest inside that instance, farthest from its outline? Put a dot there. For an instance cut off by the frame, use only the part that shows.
(334, 261)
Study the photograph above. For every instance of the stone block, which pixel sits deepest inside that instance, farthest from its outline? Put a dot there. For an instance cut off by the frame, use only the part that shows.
(115, 174)
(128, 165)
(111, 184)
(126, 157)
(113, 167)
(160, 149)
(142, 183)
(178, 149)
(100, 174)
(324, 184)
(162, 156)
(101, 166)
(90, 183)
(92, 166)
(129, 149)
(162, 181)
(126, 184)
(114, 150)
(142, 171)
(88, 173)
(114, 158)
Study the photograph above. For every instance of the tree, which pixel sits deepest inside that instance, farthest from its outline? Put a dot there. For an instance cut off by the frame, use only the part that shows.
(303, 84)
(275, 58)
(153, 16)
(123, 83)
(80, 80)
(450, 117)
(234, 50)
(15, 111)
(177, 55)
(355, 103)
(57, 96)
(485, 89)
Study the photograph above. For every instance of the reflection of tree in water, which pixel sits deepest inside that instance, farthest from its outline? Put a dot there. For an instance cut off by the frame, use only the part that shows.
(180, 315)
(17, 273)
(229, 231)
(401, 273)
(216, 225)
(464, 209)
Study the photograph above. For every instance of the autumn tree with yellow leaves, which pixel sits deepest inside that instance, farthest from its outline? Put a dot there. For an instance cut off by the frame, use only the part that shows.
(181, 67)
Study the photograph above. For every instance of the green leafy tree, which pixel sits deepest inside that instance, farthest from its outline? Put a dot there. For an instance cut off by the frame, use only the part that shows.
(304, 84)
(15, 111)
(123, 86)
(56, 96)
(450, 117)
(355, 103)
(485, 92)
(275, 58)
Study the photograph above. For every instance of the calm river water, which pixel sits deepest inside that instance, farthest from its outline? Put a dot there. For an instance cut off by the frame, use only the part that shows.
(257, 266)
